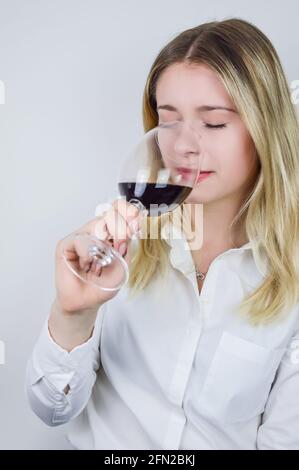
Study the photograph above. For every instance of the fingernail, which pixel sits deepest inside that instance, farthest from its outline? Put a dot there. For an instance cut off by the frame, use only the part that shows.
(122, 248)
(134, 225)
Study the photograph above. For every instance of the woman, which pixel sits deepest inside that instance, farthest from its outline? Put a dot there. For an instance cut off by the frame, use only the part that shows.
(193, 362)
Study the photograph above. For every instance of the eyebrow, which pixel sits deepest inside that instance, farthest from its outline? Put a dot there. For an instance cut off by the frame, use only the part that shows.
(168, 107)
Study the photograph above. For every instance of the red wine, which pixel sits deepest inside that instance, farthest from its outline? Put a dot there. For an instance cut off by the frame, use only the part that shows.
(156, 198)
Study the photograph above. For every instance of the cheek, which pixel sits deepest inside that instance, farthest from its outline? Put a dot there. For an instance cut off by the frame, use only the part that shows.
(164, 151)
(235, 156)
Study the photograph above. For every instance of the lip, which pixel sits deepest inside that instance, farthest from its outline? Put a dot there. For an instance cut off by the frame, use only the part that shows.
(203, 175)
(186, 171)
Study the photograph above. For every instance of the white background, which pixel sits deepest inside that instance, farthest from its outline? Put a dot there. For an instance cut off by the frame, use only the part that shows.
(74, 73)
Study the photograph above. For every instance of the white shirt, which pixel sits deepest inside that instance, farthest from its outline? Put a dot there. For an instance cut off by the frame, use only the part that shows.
(172, 369)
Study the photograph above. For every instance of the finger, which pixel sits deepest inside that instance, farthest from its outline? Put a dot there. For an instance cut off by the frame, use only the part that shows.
(131, 214)
(100, 229)
(81, 247)
(128, 211)
(117, 226)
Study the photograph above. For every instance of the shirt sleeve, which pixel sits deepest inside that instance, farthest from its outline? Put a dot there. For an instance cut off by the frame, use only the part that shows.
(280, 425)
(50, 369)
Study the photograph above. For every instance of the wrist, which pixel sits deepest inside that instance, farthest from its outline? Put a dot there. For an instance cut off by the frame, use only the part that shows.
(69, 330)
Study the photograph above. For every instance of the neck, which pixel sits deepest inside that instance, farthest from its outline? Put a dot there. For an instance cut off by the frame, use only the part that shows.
(217, 218)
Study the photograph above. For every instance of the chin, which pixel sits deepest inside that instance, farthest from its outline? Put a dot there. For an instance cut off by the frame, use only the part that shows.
(200, 196)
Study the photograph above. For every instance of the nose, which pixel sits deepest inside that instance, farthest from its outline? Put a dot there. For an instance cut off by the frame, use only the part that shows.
(187, 141)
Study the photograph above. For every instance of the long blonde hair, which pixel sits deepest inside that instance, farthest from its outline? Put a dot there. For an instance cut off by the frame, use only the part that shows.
(249, 67)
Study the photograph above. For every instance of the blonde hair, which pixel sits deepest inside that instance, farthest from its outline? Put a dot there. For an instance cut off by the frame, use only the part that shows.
(249, 67)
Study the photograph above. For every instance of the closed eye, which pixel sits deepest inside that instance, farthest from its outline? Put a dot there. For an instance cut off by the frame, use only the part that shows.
(216, 126)
(207, 125)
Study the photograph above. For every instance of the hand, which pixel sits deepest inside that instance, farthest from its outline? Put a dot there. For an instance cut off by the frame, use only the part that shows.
(116, 226)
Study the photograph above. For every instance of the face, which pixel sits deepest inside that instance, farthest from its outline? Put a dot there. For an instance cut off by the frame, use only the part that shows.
(217, 137)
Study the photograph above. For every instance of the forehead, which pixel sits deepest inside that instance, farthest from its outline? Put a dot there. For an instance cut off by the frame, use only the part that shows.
(184, 85)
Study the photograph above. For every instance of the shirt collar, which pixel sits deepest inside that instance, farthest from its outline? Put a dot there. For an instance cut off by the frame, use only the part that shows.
(181, 258)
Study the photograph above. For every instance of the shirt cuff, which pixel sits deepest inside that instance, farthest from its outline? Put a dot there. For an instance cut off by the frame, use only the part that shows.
(60, 367)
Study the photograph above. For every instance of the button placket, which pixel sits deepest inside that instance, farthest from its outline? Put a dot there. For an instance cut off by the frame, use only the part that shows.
(209, 286)
(204, 304)
(183, 367)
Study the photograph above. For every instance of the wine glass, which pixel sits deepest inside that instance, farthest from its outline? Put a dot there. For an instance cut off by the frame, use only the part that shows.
(157, 176)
